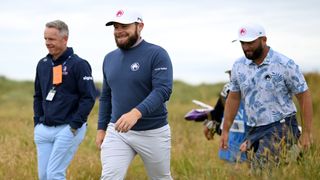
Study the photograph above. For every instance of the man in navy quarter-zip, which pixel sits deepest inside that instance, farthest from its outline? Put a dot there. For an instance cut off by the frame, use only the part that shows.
(64, 96)
(132, 112)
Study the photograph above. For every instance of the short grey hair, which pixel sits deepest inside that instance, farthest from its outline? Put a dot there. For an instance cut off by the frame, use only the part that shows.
(60, 25)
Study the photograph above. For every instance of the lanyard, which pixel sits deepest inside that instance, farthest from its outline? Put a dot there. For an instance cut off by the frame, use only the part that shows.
(63, 64)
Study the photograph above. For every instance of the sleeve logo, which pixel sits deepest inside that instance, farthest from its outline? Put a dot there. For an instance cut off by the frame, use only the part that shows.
(87, 78)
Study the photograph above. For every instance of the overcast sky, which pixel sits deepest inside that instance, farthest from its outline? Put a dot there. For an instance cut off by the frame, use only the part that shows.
(196, 33)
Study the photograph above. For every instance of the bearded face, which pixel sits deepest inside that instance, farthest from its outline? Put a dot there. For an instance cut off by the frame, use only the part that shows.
(127, 36)
(255, 53)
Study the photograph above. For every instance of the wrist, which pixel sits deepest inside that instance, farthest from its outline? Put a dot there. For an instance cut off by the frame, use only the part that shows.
(136, 113)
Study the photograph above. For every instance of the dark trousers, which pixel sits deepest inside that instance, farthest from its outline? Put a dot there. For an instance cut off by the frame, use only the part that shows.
(270, 142)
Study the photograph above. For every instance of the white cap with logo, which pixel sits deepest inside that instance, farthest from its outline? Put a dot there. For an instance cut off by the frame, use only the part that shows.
(250, 32)
(125, 17)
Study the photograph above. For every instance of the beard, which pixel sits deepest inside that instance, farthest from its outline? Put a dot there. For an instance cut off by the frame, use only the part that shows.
(132, 39)
(256, 54)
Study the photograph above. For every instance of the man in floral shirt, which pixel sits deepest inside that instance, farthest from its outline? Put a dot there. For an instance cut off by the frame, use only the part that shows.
(266, 81)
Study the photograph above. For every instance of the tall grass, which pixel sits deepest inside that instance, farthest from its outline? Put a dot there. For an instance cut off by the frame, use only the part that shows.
(193, 157)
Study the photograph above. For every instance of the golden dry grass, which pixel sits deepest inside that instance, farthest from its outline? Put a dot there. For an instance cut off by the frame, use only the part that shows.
(193, 157)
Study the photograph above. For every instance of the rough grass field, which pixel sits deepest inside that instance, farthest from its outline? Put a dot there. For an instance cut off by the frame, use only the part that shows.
(193, 157)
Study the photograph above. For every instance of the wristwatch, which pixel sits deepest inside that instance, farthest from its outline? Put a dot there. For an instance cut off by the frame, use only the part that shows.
(73, 131)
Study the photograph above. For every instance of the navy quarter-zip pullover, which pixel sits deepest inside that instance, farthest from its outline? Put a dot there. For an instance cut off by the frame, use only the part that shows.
(74, 98)
(141, 78)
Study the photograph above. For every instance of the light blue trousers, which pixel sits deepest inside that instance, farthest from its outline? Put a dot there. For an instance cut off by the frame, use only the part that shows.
(56, 146)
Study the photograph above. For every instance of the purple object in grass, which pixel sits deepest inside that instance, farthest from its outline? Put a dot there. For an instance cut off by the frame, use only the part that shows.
(197, 114)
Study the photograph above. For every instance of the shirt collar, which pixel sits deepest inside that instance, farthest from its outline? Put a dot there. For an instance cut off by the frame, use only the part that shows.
(63, 57)
(138, 42)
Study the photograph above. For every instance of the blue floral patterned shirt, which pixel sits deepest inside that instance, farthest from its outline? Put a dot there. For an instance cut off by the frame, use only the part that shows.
(267, 89)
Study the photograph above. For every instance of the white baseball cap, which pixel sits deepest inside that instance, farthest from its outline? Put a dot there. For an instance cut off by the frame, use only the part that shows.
(250, 32)
(125, 17)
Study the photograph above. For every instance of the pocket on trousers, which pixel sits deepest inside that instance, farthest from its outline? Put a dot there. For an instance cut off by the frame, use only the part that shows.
(69, 129)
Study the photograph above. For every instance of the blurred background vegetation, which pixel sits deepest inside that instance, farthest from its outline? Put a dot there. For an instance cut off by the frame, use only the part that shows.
(193, 157)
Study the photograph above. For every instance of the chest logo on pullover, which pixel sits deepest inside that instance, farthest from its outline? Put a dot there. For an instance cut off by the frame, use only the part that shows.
(64, 70)
(135, 66)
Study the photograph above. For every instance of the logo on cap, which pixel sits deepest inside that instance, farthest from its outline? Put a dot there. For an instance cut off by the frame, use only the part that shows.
(119, 13)
(243, 31)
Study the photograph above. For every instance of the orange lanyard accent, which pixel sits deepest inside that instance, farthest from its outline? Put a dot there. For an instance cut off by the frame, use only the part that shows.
(57, 75)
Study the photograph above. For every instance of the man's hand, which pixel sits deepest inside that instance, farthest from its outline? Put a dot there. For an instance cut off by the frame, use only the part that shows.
(305, 140)
(208, 133)
(128, 120)
(209, 129)
(99, 138)
(74, 131)
(224, 140)
(244, 146)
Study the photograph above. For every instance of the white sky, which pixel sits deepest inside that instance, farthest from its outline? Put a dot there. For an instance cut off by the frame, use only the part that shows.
(196, 34)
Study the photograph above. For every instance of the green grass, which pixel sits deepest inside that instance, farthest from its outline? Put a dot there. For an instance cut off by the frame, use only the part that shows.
(193, 157)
